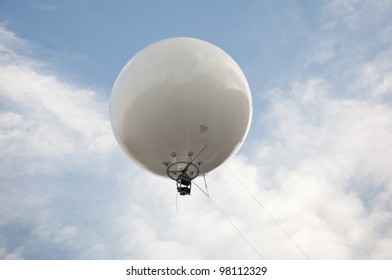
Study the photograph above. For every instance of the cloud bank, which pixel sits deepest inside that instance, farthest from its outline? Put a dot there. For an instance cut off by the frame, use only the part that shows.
(54, 137)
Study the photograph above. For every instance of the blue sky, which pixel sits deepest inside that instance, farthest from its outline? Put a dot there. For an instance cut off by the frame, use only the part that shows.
(317, 155)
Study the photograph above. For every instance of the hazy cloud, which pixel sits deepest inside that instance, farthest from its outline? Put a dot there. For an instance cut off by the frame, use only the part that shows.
(50, 132)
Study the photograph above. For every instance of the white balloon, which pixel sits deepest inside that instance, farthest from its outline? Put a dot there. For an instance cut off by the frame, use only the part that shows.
(175, 98)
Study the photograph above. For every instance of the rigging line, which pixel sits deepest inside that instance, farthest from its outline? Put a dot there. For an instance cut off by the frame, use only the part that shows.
(216, 205)
(177, 202)
(175, 216)
(242, 235)
(205, 184)
(268, 213)
(199, 153)
(189, 163)
(201, 189)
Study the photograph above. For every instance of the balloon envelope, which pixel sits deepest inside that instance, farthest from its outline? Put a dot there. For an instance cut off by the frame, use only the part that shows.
(175, 97)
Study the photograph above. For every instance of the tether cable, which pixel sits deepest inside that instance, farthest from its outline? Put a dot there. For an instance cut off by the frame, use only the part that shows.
(268, 213)
(242, 235)
(228, 219)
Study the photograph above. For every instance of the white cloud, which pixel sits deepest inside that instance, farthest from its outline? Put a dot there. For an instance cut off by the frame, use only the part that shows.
(48, 129)
(376, 77)
(333, 170)
(351, 33)
(354, 14)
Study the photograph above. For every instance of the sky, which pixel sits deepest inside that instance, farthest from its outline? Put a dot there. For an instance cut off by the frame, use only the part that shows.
(313, 178)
